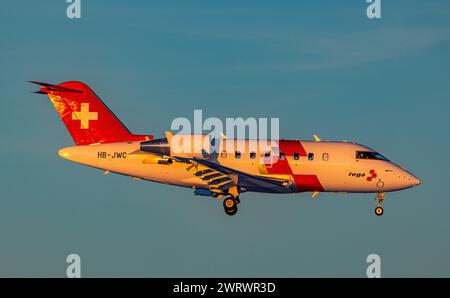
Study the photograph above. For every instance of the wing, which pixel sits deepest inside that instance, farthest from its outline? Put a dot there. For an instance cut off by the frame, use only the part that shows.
(231, 177)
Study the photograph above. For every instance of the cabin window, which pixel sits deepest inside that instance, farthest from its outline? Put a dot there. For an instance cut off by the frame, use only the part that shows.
(223, 154)
(310, 156)
(325, 156)
(237, 154)
(252, 155)
(267, 155)
(282, 156)
(296, 156)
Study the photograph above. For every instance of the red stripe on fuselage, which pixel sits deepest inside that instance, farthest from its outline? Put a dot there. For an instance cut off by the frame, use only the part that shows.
(282, 167)
(307, 183)
(289, 147)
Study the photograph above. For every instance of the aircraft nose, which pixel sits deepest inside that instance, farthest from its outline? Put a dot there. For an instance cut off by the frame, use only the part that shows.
(408, 179)
(415, 181)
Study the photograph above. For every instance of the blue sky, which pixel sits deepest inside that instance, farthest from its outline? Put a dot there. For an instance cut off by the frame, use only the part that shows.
(320, 66)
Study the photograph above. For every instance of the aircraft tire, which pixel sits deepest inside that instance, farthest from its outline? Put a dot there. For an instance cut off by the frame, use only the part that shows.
(230, 203)
(231, 211)
(379, 211)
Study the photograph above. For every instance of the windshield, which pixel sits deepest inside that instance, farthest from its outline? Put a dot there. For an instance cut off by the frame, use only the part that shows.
(370, 155)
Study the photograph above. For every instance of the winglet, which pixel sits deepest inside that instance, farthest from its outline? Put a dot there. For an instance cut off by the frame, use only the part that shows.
(316, 138)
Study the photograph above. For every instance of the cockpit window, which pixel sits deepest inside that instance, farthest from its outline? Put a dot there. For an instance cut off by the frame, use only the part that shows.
(370, 155)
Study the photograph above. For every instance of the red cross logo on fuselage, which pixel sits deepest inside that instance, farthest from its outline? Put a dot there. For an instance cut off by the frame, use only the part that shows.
(373, 175)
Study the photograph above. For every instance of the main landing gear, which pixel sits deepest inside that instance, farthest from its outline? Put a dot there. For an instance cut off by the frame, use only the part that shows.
(379, 210)
(230, 205)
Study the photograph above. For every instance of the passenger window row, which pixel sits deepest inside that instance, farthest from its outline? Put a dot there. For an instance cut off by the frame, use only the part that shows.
(282, 155)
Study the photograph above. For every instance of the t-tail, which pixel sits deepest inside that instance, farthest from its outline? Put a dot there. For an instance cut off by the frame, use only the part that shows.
(86, 117)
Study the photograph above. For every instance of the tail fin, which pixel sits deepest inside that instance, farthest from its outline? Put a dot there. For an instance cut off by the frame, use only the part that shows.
(85, 116)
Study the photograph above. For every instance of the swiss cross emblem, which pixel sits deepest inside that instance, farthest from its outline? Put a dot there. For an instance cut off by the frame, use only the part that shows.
(84, 115)
(373, 175)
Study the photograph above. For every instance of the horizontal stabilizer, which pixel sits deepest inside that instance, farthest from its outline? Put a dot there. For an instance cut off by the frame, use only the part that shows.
(55, 88)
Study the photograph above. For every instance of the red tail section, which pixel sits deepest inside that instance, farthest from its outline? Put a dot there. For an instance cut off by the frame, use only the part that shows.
(85, 116)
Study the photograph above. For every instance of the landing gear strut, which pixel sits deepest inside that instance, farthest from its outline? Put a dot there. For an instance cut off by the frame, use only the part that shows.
(230, 205)
(379, 210)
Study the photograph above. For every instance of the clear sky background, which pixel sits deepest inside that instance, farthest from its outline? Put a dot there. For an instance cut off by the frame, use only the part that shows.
(320, 66)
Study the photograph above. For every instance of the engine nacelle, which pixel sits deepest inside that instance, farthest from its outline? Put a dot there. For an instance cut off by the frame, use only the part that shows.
(159, 146)
(181, 145)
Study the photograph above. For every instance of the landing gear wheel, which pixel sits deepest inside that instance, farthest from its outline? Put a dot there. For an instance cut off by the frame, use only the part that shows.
(380, 198)
(231, 211)
(230, 203)
(379, 211)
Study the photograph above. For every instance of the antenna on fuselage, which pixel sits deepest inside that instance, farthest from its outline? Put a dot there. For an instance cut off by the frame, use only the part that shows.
(316, 138)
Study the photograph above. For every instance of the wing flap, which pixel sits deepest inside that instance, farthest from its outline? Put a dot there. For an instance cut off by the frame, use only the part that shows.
(245, 180)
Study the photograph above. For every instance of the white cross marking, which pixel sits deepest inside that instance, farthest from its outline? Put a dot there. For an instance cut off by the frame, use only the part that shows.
(84, 115)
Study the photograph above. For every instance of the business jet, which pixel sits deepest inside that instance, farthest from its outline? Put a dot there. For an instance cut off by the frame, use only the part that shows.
(289, 166)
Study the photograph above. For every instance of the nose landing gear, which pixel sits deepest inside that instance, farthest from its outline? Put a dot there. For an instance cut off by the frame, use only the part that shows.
(380, 198)
(379, 211)
(230, 205)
